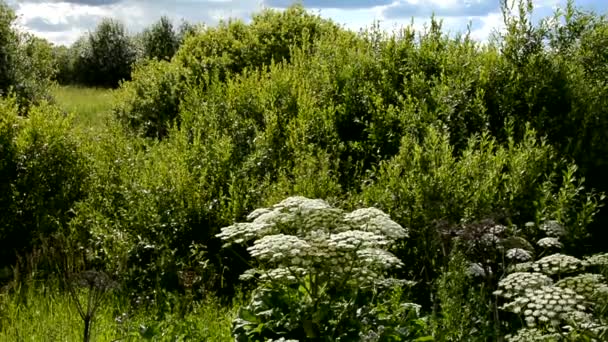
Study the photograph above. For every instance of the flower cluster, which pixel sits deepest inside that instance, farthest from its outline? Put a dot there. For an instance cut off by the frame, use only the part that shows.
(597, 260)
(284, 217)
(476, 270)
(276, 248)
(533, 335)
(586, 284)
(547, 304)
(375, 221)
(549, 242)
(553, 228)
(519, 254)
(299, 237)
(557, 264)
(518, 283)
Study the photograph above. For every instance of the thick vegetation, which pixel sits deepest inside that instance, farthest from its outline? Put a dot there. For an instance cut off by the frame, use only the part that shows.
(330, 185)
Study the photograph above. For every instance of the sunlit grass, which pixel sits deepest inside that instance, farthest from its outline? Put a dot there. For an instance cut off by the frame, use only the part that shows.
(46, 314)
(90, 106)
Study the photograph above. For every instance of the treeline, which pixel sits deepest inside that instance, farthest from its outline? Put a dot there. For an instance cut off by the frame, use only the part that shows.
(450, 137)
(106, 56)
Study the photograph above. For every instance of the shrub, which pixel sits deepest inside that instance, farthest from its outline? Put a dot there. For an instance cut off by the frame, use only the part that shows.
(27, 64)
(216, 54)
(46, 174)
(8, 47)
(149, 103)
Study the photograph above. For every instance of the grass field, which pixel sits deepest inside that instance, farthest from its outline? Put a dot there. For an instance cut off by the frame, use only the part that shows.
(91, 106)
(45, 314)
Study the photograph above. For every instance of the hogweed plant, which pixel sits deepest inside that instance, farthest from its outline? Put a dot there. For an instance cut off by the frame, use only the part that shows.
(95, 286)
(318, 269)
(556, 296)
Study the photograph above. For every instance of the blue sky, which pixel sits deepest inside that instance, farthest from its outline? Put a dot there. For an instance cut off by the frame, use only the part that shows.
(64, 21)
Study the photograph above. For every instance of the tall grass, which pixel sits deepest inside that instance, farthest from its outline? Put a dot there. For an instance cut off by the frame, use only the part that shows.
(91, 106)
(43, 313)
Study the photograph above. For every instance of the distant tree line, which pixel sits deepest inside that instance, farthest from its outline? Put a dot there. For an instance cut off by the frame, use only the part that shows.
(106, 56)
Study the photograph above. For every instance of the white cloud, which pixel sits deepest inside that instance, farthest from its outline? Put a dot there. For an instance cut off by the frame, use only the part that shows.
(64, 21)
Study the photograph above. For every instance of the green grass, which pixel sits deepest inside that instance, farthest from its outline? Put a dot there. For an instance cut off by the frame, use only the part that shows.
(46, 314)
(91, 106)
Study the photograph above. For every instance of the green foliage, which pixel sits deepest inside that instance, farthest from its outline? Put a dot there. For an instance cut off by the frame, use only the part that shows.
(90, 107)
(45, 313)
(45, 174)
(105, 56)
(463, 312)
(150, 101)
(27, 63)
(489, 154)
(8, 47)
(160, 40)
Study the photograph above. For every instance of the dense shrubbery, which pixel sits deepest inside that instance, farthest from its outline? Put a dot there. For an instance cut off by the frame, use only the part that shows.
(27, 63)
(43, 175)
(470, 147)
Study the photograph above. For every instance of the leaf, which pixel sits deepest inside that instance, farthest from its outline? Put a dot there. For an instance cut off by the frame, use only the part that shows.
(248, 316)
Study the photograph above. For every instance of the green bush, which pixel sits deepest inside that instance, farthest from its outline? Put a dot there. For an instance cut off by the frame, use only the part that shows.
(8, 48)
(149, 102)
(215, 54)
(45, 176)
(27, 63)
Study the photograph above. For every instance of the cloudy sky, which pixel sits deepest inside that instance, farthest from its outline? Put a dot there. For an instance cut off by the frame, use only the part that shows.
(63, 21)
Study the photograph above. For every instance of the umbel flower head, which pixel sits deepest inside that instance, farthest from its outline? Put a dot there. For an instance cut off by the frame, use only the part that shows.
(597, 260)
(519, 254)
(586, 284)
(549, 242)
(299, 237)
(516, 284)
(557, 264)
(521, 267)
(533, 335)
(476, 270)
(553, 229)
(299, 216)
(549, 305)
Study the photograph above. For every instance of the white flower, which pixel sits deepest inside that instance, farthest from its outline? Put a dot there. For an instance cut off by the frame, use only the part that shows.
(553, 228)
(557, 263)
(518, 283)
(476, 270)
(519, 254)
(376, 221)
(597, 260)
(549, 242)
(300, 236)
(586, 285)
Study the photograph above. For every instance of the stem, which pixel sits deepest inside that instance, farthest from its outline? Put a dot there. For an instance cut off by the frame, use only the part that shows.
(87, 322)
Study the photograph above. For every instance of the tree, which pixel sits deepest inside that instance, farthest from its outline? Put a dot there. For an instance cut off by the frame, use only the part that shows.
(8, 47)
(160, 40)
(111, 54)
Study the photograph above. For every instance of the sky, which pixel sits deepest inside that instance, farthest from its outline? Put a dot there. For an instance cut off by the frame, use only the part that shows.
(63, 21)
